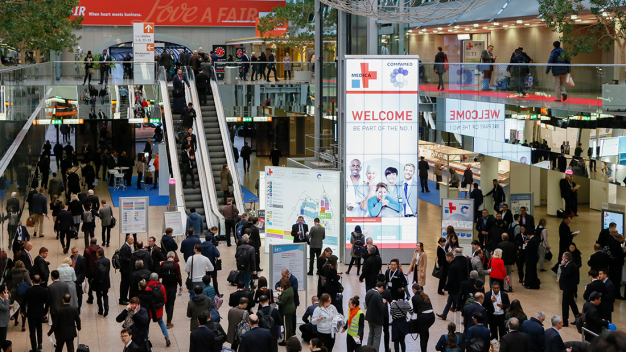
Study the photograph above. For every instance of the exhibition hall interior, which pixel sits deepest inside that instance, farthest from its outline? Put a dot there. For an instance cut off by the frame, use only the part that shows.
(338, 140)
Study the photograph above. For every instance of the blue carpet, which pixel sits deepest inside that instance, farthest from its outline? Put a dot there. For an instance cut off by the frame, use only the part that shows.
(248, 196)
(433, 196)
(132, 191)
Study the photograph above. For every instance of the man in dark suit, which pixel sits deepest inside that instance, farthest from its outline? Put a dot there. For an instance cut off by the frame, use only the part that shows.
(233, 300)
(494, 236)
(507, 215)
(496, 303)
(498, 195)
(244, 65)
(471, 309)
(531, 259)
(140, 273)
(307, 329)
(554, 342)
(453, 284)
(126, 252)
(593, 318)
(101, 281)
(565, 239)
(127, 339)
(617, 262)
(63, 224)
(266, 310)
(566, 194)
(514, 341)
(202, 339)
(300, 231)
(35, 303)
(66, 324)
(526, 219)
(608, 300)
(470, 287)
(27, 258)
(477, 196)
(141, 322)
(371, 268)
(376, 308)
(603, 238)
(187, 159)
(93, 200)
(569, 286)
(104, 67)
(40, 266)
(422, 172)
(483, 225)
(598, 260)
(56, 292)
(257, 339)
(79, 263)
(478, 331)
(533, 328)
(596, 285)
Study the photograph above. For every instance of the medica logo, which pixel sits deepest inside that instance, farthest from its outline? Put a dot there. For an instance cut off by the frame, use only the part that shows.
(364, 77)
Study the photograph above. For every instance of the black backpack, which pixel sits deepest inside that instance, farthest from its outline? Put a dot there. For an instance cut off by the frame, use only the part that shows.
(476, 344)
(267, 321)
(115, 260)
(157, 296)
(242, 261)
(100, 271)
(168, 274)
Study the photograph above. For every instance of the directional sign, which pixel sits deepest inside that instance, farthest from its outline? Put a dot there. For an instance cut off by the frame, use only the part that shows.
(143, 52)
(143, 33)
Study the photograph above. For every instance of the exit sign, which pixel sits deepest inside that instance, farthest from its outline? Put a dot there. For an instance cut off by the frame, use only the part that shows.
(247, 119)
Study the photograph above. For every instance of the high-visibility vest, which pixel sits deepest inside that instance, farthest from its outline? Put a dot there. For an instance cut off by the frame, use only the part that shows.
(353, 328)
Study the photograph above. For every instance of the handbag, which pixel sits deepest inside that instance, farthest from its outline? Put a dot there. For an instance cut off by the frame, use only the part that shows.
(447, 67)
(548, 256)
(569, 80)
(91, 71)
(30, 222)
(437, 271)
(218, 264)
(189, 282)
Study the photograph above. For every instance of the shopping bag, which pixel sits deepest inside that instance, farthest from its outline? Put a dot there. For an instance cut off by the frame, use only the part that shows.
(569, 80)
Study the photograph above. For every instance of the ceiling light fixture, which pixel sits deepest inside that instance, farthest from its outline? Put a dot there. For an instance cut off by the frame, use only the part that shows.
(506, 26)
(439, 28)
(574, 17)
(520, 21)
(496, 23)
(475, 25)
(526, 24)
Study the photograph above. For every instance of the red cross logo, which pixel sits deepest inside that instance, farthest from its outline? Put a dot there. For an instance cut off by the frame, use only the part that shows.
(270, 172)
(367, 75)
(451, 207)
(470, 46)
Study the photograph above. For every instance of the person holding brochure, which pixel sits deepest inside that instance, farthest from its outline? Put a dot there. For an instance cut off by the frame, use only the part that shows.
(382, 205)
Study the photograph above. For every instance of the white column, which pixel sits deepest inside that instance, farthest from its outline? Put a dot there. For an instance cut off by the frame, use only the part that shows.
(488, 172)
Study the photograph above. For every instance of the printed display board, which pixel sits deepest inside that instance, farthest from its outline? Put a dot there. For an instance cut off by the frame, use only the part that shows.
(134, 214)
(382, 116)
(613, 213)
(475, 119)
(291, 257)
(522, 200)
(174, 220)
(293, 192)
(472, 50)
(458, 213)
(205, 13)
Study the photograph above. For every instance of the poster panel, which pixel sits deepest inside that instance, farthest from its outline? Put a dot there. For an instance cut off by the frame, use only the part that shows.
(293, 192)
(291, 257)
(458, 213)
(134, 214)
(519, 200)
(174, 220)
(382, 116)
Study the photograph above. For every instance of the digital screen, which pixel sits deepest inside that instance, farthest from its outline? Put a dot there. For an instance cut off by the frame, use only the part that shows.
(609, 146)
(609, 217)
(512, 152)
(382, 117)
(475, 119)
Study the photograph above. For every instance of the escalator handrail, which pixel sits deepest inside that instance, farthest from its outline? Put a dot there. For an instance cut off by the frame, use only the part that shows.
(206, 183)
(228, 147)
(171, 145)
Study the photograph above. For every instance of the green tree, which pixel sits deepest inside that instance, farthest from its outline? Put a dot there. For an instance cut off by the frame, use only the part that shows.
(298, 19)
(607, 33)
(39, 25)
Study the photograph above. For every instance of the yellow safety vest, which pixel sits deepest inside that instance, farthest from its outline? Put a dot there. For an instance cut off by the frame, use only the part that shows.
(353, 329)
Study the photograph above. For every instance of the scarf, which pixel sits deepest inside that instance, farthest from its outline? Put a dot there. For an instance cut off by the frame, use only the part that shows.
(353, 312)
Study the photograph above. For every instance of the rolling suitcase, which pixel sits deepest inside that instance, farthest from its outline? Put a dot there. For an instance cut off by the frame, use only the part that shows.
(82, 347)
(178, 106)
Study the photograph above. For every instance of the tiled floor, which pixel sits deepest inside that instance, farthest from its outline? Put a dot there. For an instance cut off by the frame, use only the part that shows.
(102, 334)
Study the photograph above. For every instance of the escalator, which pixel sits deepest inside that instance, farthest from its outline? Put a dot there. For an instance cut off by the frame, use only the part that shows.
(214, 143)
(193, 196)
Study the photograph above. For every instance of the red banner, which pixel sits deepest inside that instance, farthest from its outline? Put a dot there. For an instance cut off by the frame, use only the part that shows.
(205, 13)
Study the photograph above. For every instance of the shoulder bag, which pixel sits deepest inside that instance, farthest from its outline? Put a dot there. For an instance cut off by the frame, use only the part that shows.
(437, 271)
(189, 282)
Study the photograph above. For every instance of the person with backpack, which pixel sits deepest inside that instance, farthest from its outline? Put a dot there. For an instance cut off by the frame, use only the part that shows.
(18, 282)
(559, 56)
(269, 318)
(440, 68)
(477, 337)
(519, 71)
(246, 261)
(219, 335)
(89, 222)
(452, 341)
(237, 316)
(169, 273)
(230, 213)
(101, 281)
(357, 239)
(159, 298)
(210, 251)
(199, 304)
(399, 326)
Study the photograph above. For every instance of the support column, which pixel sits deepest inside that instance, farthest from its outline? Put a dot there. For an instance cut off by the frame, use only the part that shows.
(319, 74)
(372, 36)
(488, 172)
(341, 136)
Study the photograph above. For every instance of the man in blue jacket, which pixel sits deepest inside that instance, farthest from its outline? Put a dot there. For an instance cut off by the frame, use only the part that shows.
(211, 252)
(188, 243)
(533, 328)
(194, 220)
(558, 56)
(307, 329)
(478, 333)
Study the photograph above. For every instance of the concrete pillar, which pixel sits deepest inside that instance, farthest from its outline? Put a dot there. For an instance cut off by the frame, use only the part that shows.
(555, 201)
(535, 185)
(488, 172)
(520, 179)
(372, 36)
(529, 126)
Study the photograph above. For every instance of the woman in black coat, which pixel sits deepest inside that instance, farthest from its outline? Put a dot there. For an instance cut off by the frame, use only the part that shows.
(333, 284)
(442, 263)
(321, 261)
(440, 68)
(76, 208)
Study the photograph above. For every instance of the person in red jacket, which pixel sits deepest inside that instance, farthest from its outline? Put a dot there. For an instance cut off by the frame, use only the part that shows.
(155, 284)
(498, 271)
(90, 257)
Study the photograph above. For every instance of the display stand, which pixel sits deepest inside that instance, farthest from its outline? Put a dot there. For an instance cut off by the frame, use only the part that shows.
(458, 213)
(292, 257)
(173, 220)
(446, 191)
(134, 215)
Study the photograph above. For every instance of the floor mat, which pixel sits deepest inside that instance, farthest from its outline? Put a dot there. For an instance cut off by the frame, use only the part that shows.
(155, 198)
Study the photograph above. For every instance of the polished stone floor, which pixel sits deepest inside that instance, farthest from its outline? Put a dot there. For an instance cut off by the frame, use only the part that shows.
(102, 334)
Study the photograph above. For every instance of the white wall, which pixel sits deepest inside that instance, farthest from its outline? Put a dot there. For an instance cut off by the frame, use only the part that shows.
(555, 201)
(488, 171)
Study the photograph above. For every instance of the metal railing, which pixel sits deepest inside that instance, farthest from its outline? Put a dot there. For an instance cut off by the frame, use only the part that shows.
(585, 330)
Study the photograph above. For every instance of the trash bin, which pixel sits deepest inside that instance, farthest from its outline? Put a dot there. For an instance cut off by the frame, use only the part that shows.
(230, 74)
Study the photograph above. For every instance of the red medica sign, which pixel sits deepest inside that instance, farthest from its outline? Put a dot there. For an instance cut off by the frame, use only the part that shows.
(205, 13)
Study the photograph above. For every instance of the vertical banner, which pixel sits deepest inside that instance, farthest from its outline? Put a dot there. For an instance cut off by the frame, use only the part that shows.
(519, 200)
(382, 117)
(173, 220)
(458, 213)
(143, 52)
(293, 258)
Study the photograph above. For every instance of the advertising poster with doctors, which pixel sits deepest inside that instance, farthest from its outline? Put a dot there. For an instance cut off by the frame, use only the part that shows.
(382, 116)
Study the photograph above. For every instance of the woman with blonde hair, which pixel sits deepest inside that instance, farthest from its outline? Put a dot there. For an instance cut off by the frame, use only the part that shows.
(76, 208)
(67, 274)
(418, 265)
(498, 271)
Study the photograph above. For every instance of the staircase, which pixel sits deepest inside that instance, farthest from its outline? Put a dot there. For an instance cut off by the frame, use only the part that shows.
(193, 197)
(214, 144)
